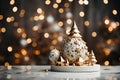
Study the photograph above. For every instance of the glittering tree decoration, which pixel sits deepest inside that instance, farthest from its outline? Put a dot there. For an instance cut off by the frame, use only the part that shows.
(74, 46)
(92, 60)
(75, 51)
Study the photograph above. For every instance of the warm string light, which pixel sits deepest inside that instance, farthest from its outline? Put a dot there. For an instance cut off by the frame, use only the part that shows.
(82, 14)
(60, 23)
(3, 30)
(114, 12)
(69, 21)
(86, 23)
(107, 51)
(9, 48)
(1, 17)
(58, 1)
(94, 34)
(46, 35)
(47, 2)
(55, 5)
(106, 21)
(15, 9)
(60, 10)
(12, 2)
(105, 1)
(106, 63)
(85, 2)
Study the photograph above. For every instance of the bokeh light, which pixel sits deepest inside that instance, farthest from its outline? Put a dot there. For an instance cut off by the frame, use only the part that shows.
(28, 33)
(82, 14)
(114, 12)
(105, 1)
(9, 48)
(55, 5)
(94, 34)
(1, 17)
(15, 9)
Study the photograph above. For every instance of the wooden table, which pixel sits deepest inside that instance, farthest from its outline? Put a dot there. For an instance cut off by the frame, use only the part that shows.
(44, 73)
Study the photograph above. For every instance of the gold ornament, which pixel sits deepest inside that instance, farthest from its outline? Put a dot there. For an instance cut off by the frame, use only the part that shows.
(74, 53)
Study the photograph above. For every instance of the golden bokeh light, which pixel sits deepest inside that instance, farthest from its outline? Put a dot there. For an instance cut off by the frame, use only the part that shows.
(24, 35)
(109, 41)
(34, 44)
(81, 2)
(54, 41)
(7, 64)
(9, 48)
(15, 8)
(105, 1)
(117, 24)
(69, 21)
(8, 19)
(113, 25)
(12, 2)
(47, 2)
(107, 51)
(37, 52)
(106, 63)
(70, 0)
(29, 40)
(94, 34)
(41, 17)
(66, 5)
(58, 1)
(35, 28)
(114, 12)
(81, 14)
(17, 55)
(23, 52)
(1, 17)
(110, 29)
(12, 18)
(19, 30)
(39, 10)
(106, 21)
(3, 30)
(55, 5)
(86, 23)
(60, 23)
(60, 10)
(36, 18)
(26, 58)
(46, 35)
(86, 2)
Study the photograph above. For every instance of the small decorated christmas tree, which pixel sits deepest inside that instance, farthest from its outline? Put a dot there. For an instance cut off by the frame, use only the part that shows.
(74, 46)
(80, 61)
(92, 59)
(74, 55)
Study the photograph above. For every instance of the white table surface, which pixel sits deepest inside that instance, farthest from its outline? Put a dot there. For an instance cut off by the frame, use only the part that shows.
(44, 73)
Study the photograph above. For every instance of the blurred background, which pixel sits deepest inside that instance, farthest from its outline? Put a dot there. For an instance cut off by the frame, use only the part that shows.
(29, 29)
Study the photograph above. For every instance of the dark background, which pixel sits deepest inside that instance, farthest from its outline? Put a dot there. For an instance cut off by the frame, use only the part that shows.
(26, 36)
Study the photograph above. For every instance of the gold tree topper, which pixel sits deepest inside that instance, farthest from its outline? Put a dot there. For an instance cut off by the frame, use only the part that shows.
(74, 32)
